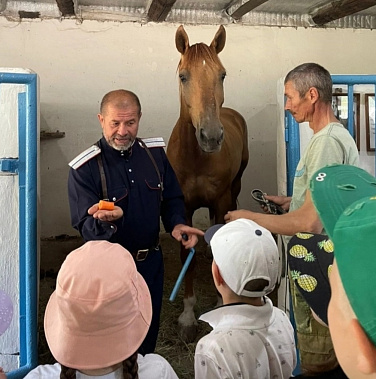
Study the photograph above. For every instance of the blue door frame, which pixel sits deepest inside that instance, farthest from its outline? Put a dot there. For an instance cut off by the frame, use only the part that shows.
(26, 168)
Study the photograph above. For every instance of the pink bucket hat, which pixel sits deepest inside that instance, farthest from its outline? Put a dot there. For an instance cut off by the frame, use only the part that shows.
(101, 309)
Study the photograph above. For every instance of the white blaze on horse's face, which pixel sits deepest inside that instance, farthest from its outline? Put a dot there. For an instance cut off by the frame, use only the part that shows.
(201, 76)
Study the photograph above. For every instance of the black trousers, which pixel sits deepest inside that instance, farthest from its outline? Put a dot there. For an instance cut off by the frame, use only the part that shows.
(152, 270)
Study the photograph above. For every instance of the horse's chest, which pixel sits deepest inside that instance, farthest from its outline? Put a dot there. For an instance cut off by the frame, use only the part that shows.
(202, 188)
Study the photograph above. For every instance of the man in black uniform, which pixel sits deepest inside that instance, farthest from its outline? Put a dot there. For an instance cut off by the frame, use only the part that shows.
(136, 176)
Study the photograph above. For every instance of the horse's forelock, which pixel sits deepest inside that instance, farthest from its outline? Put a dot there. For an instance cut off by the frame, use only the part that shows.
(199, 52)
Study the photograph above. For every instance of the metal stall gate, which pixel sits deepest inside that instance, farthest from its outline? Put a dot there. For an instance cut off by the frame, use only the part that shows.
(19, 123)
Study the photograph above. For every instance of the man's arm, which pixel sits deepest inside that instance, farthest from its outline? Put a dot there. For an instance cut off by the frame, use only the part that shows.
(84, 197)
(304, 219)
(172, 206)
(173, 209)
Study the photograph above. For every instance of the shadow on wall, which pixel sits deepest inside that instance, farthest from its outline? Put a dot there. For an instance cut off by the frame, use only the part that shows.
(55, 154)
(261, 170)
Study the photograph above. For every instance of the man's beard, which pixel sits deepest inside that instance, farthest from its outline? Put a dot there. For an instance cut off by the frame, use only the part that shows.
(119, 147)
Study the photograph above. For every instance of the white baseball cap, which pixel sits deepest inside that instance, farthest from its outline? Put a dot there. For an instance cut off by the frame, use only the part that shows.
(244, 251)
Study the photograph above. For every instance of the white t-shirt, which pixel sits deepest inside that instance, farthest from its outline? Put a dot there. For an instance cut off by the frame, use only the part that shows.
(332, 144)
(246, 342)
(150, 366)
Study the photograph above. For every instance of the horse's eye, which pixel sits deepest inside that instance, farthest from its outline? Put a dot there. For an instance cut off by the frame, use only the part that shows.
(183, 78)
(223, 76)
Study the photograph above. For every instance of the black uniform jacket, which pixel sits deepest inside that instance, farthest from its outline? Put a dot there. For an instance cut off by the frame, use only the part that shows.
(133, 184)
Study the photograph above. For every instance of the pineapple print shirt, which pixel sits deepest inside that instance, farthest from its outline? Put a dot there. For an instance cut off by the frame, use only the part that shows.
(247, 342)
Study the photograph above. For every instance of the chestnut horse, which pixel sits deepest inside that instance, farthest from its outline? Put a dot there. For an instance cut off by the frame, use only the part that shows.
(208, 147)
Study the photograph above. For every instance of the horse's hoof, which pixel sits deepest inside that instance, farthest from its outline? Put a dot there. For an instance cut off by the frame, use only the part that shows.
(188, 333)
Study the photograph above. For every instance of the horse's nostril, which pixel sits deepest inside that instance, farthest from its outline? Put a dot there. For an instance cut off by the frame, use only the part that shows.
(202, 134)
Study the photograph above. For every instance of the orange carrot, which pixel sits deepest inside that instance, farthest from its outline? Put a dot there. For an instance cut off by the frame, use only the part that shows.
(106, 205)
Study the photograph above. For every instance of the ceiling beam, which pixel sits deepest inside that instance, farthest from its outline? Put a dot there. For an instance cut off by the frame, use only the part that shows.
(340, 8)
(159, 9)
(239, 9)
(66, 7)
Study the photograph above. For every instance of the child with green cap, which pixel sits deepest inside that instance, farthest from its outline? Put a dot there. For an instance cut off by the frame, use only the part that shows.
(345, 199)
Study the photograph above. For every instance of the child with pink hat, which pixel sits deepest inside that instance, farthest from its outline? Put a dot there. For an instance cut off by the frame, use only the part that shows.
(97, 318)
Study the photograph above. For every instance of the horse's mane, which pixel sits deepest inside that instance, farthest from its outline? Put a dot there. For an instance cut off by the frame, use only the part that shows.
(199, 52)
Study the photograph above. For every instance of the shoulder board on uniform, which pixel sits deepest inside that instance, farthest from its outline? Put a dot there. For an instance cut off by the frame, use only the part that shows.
(154, 142)
(85, 156)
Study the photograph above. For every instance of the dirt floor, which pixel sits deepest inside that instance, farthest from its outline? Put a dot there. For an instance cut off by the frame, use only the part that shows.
(170, 345)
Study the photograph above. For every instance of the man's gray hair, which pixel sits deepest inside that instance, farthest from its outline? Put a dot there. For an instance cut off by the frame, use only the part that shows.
(309, 75)
(119, 98)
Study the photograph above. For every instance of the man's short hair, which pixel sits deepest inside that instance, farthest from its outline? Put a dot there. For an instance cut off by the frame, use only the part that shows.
(309, 75)
(117, 98)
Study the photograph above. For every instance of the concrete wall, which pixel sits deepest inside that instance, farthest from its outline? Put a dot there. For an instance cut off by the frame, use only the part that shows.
(79, 63)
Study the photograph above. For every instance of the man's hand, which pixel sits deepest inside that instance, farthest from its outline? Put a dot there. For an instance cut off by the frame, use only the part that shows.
(240, 213)
(282, 201)
(105, 215)
(191, 233)
(303, 219)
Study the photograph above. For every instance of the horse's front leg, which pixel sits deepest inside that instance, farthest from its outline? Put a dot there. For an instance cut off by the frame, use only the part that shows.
(187, 320)
(223, 205)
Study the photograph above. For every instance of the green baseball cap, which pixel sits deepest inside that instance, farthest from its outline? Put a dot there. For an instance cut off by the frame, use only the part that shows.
(345, 199)
(334, 188)
(354, 239)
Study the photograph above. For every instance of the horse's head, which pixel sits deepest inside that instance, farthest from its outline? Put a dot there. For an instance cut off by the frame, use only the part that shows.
(201, 77)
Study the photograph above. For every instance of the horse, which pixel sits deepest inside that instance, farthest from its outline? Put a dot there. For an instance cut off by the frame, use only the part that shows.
(207, 148)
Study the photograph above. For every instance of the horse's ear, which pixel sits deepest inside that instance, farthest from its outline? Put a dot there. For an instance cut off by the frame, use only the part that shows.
(219, 40)
(181, 40)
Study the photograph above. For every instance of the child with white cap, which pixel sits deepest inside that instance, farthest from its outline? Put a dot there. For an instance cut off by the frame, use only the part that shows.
(251, 338)
(98, 317)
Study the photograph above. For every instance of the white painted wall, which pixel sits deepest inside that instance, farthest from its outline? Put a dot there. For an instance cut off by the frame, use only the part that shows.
(78, 63)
